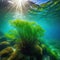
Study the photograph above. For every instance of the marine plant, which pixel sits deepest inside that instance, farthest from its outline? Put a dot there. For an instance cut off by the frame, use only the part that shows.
(28, 37)
(26, 31)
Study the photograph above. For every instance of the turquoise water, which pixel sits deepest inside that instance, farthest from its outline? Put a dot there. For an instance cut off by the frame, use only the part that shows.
(48, 17)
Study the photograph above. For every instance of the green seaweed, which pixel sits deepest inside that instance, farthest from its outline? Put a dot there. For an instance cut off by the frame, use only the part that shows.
(29, 35)
(26, 31)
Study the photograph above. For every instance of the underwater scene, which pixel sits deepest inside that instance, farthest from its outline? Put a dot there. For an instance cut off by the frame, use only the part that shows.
(29, 29)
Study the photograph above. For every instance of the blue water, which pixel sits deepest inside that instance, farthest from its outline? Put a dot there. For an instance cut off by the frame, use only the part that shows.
(48, 19)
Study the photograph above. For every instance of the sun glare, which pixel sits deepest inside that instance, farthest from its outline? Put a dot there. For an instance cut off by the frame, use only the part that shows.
(19, 5)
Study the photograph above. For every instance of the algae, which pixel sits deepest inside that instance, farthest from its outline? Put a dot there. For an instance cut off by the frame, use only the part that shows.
(28, 37)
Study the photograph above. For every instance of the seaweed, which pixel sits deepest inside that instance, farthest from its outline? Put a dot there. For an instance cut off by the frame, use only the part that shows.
(28, 37)
(26, 31)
